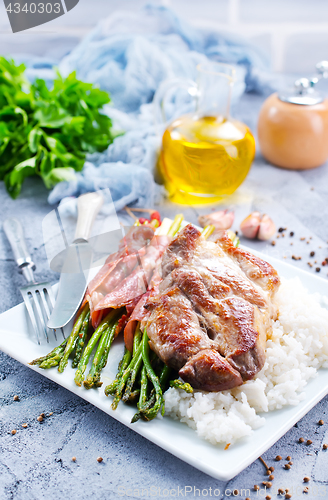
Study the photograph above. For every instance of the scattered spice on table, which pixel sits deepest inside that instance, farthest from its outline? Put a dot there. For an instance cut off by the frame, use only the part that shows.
(40, 418)
(312, 254)
(306, 490)
(289, 457)
(256, 487)
(13, 432)
(301, 440)
(24, 426)
(16, 398)
(287, 466)
(306, 479)
(321, 422)
(265, 465)
(291, 233)
(278, 458)
(288, 495)
(325, 446)
(318, 269)
(73, 459)
(273, 243)
(308, 442)
(99, 459)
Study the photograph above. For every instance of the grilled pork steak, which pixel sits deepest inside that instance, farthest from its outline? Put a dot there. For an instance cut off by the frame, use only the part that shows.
(178, 339)
(212, 314)
(209, 371)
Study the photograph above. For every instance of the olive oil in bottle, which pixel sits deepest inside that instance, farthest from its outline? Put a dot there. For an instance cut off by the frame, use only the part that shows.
(204, 159)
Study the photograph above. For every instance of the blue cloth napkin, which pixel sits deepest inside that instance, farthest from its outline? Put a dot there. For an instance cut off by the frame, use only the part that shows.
(130, 55)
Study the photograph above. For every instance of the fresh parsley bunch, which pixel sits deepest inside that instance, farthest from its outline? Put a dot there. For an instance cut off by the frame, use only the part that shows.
(48, 132)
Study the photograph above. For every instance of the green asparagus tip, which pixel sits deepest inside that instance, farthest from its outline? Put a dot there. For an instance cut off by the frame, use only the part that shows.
(49, 363)
(78, 379)
(136, 417)
(110, 390)
(178, 384)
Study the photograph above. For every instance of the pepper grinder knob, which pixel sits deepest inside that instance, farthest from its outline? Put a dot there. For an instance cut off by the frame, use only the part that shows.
(301, 85)
(322, 68)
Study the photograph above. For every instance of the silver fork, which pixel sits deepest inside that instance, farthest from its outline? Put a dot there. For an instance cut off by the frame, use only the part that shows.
(38, 297)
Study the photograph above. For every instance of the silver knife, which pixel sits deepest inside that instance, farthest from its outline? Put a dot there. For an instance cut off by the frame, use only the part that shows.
(76, 263)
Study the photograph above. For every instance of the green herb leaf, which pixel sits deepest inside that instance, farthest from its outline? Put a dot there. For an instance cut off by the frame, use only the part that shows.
(15, 178)
(34, 138)
(59, 174)
(48, 131)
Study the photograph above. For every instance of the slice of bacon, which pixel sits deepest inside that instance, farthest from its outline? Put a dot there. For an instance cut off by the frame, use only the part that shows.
(136, 238)
(134, 242)
(138, 281)
(138, 314)
(117, 267)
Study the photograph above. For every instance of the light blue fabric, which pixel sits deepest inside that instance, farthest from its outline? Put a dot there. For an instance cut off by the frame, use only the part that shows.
(128, 183)
(130, 55)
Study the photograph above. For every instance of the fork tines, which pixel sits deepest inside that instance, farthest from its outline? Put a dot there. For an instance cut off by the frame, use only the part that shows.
(39, 301)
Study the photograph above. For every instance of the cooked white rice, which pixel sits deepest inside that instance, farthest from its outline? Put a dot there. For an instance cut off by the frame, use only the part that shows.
(297, 349)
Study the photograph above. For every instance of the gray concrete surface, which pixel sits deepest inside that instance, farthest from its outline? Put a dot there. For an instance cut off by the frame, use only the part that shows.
(36, 462)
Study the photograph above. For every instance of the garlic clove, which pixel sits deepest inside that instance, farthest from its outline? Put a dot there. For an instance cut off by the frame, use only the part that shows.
(267, 228)
(251, 225)
(222, 219)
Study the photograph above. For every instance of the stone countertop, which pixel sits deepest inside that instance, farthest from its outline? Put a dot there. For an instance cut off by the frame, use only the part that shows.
(36, 462)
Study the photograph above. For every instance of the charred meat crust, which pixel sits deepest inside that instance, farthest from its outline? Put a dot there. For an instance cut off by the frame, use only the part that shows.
(212, 314)
(254, 267)
(209, 371)
(173, 328)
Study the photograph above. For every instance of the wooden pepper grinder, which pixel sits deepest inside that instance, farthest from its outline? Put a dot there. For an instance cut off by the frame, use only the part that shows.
(293, 126)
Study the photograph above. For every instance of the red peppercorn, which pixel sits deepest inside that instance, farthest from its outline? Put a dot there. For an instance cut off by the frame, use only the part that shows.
(156, 215)
(142, 220)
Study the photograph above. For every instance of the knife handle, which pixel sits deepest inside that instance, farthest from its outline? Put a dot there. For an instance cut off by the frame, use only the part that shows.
(14, 232)
(88, 206)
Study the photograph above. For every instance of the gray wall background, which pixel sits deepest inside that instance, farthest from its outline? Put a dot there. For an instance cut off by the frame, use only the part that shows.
(294, 33)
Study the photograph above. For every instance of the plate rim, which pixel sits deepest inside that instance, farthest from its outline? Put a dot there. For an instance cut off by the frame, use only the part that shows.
(143, 428)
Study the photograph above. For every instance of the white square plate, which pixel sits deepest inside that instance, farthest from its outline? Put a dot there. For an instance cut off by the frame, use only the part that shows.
(173, 436)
